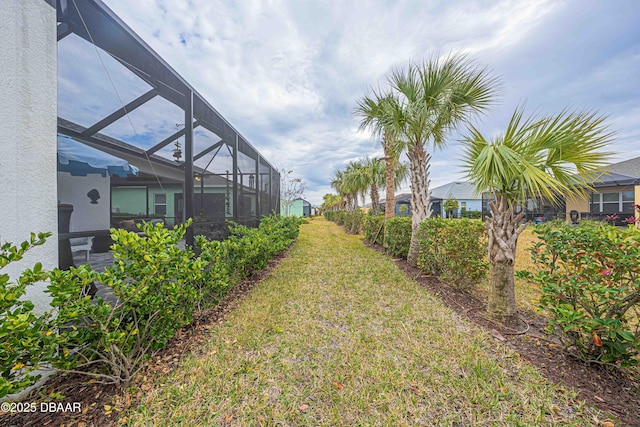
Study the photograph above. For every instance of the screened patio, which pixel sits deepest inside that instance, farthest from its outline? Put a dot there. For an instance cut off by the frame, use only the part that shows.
(119, 96)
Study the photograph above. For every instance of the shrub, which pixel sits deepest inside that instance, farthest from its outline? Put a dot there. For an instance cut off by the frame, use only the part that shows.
(154, 285)
(156, 288)
(590, 281)
(471, 214)
(373, 229)
(352, 221)
(454, 250)
(397, 235)
(357, 220)
(26, 339)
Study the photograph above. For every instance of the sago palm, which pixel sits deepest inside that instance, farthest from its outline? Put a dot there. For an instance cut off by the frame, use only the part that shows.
(430, 100)
(550, 157)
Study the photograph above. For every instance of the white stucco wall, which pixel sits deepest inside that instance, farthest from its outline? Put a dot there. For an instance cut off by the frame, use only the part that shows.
(28, 120)
(86, 216)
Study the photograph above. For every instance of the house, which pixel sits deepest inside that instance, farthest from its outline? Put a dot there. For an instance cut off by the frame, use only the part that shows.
(402, 206)
(463, 192)
(298, 207)
(614, 193)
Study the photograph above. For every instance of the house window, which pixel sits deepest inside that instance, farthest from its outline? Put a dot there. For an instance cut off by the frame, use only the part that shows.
(611, 203)
(160, 204)
(463, 205)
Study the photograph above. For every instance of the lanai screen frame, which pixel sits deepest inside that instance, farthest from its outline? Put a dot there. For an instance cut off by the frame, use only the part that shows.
(94, 22)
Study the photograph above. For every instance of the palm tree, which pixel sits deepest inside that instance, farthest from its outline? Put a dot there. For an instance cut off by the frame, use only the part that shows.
(330, 202)
(370, 174)
(428, 101)
(550, 157)
(372, 113)
(356, 178)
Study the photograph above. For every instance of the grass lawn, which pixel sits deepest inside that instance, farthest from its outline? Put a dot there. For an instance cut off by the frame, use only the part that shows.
(338, 336)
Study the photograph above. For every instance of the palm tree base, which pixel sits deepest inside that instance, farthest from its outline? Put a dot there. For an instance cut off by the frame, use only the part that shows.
(502, 301)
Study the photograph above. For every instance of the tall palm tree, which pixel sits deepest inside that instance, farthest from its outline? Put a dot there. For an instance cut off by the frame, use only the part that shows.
(375, 173)
(337, 184)
(372, 112)
(354, 181)
(550, 157)
(429, 100)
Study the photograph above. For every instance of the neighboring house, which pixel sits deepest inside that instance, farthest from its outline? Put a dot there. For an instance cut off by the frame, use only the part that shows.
(144, 197)
(614, 193)
(402, 206)
(298, 207)
(463, 192)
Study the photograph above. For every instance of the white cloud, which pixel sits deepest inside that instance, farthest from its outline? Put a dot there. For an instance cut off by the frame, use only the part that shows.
(287, 74)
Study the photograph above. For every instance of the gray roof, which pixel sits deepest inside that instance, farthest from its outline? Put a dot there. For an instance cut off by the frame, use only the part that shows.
(615, 179)
(400, 198)
(629, 167)
(458, 190)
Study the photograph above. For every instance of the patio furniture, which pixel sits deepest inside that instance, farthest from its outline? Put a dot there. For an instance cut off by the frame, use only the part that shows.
(81, 245)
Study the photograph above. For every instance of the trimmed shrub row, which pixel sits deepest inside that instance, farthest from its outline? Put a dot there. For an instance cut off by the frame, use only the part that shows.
(452, 249)
(397, 235)
(351, 221)
(157, 288)
(373, 229)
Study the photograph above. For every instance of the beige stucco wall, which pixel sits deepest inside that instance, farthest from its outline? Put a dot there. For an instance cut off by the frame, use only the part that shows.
(579, 204)
(28, 122)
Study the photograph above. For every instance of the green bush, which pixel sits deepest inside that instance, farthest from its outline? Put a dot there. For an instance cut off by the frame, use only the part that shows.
(357, 220)
(454, 250)
(590, 281)
(470, 214)
(373, 229)
(26, 339)
(155, 286)
(397, 235)
(351, 221)
(246, 249)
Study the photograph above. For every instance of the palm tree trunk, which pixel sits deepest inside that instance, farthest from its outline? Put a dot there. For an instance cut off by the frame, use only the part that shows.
(503, 226)
(375, 199)
(420, 198)
(390, 177)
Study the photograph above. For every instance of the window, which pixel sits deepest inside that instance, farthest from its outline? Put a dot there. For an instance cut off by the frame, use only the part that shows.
(610, 203)
(160, 204)
(463, 205)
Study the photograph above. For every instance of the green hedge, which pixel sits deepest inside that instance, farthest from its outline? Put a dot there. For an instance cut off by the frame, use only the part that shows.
(454, 250)
(373, 229)
(351, 221)
(470, 214)
(157, 288)
(397, 235)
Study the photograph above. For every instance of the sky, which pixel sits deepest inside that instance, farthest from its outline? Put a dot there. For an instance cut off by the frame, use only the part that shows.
(287, 74)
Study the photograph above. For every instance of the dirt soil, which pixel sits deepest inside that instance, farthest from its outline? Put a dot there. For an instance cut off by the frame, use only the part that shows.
(613, 392)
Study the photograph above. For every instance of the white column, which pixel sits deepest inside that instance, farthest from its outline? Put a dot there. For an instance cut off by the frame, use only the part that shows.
(28, 122)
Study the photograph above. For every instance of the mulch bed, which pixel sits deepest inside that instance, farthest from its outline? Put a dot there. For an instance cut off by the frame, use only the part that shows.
(101, 404)
(614, 392)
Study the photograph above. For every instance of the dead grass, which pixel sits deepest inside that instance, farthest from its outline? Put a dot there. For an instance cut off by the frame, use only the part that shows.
(338, 336)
